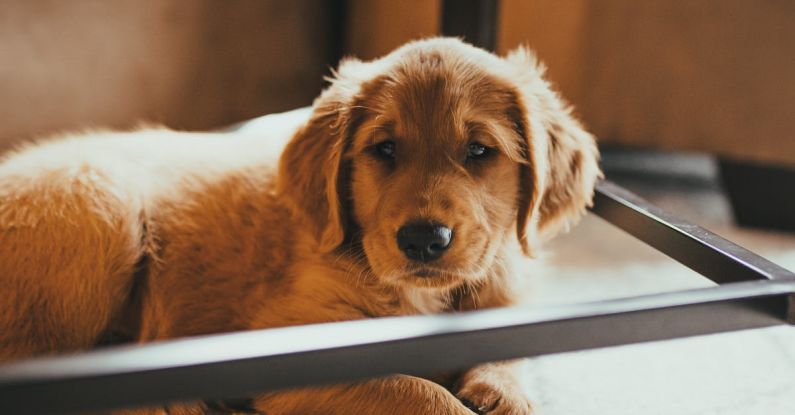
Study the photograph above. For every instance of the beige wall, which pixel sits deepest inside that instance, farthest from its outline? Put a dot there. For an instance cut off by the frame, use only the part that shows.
(716, 76)
(375, 27)
(189, 64)
(555, 30)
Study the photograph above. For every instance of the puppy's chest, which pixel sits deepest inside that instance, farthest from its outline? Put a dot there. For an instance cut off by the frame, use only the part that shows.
(424, 301)
(341, 293)
(385, 300)
(402, 302)
(390, 302)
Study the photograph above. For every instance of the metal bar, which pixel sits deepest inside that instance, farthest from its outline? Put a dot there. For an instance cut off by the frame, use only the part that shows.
(474, 20)
(243, 364)
(710, 255)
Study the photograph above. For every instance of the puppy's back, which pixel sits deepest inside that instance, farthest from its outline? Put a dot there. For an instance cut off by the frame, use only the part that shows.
(73, 214)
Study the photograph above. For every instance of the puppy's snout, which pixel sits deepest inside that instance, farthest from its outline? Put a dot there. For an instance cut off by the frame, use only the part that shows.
(424, 241)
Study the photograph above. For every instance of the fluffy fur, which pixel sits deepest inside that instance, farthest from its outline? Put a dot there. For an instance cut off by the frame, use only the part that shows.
(158, 234)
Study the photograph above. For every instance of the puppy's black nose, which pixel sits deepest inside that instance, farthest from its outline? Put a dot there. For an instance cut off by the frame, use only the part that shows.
(424, 241)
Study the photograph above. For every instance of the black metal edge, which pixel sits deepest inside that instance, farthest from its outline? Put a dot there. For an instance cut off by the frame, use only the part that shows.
(710, 255)
(239, 364)
(791, 310)
(338, 20)
(474, 20)
(703, 251)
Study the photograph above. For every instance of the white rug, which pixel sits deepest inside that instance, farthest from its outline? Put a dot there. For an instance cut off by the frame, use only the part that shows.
(749, 372)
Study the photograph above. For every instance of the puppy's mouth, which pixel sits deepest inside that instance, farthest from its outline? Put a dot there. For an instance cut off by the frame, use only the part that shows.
(430, 278)
(424, 273)
(434, 272)
(436, 277)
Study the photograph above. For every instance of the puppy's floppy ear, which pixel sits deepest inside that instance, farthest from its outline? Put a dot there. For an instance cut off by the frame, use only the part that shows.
(312, 169)
(562, 158)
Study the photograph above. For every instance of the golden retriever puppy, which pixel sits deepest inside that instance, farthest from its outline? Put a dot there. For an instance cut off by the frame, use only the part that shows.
(412, 187)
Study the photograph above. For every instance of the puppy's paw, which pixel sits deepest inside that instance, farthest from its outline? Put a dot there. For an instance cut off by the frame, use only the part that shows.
(493, 390)
(489, 399)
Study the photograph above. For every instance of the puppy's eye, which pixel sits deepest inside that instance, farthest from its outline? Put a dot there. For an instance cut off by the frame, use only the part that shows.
(477, 151)
(385, 149)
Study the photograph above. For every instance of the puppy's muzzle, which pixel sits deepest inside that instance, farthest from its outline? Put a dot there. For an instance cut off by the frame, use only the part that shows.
(424, 241)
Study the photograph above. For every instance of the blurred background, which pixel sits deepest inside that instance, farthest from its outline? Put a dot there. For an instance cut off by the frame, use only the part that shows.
(712, 76)
(693, 102)
(715, 77)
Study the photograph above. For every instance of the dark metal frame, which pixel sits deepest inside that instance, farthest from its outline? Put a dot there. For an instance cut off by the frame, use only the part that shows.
(473, 20)
(753, 293)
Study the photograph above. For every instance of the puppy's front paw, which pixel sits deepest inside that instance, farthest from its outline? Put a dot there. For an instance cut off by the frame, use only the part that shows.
(494, 400)
(490, 392)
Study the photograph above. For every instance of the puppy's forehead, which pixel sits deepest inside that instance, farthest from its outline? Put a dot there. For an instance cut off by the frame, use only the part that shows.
(435, 96)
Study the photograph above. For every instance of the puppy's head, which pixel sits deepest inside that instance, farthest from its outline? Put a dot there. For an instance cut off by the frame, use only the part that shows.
(438, 158)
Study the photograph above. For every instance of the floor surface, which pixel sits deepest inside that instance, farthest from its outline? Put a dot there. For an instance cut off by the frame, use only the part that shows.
(748, 372)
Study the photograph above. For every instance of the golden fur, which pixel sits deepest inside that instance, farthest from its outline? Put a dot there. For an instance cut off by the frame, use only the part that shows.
(158, 234)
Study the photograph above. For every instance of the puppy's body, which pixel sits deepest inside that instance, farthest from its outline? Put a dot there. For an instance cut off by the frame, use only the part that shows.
(85, 216)
(220, 251)
(158, 234)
